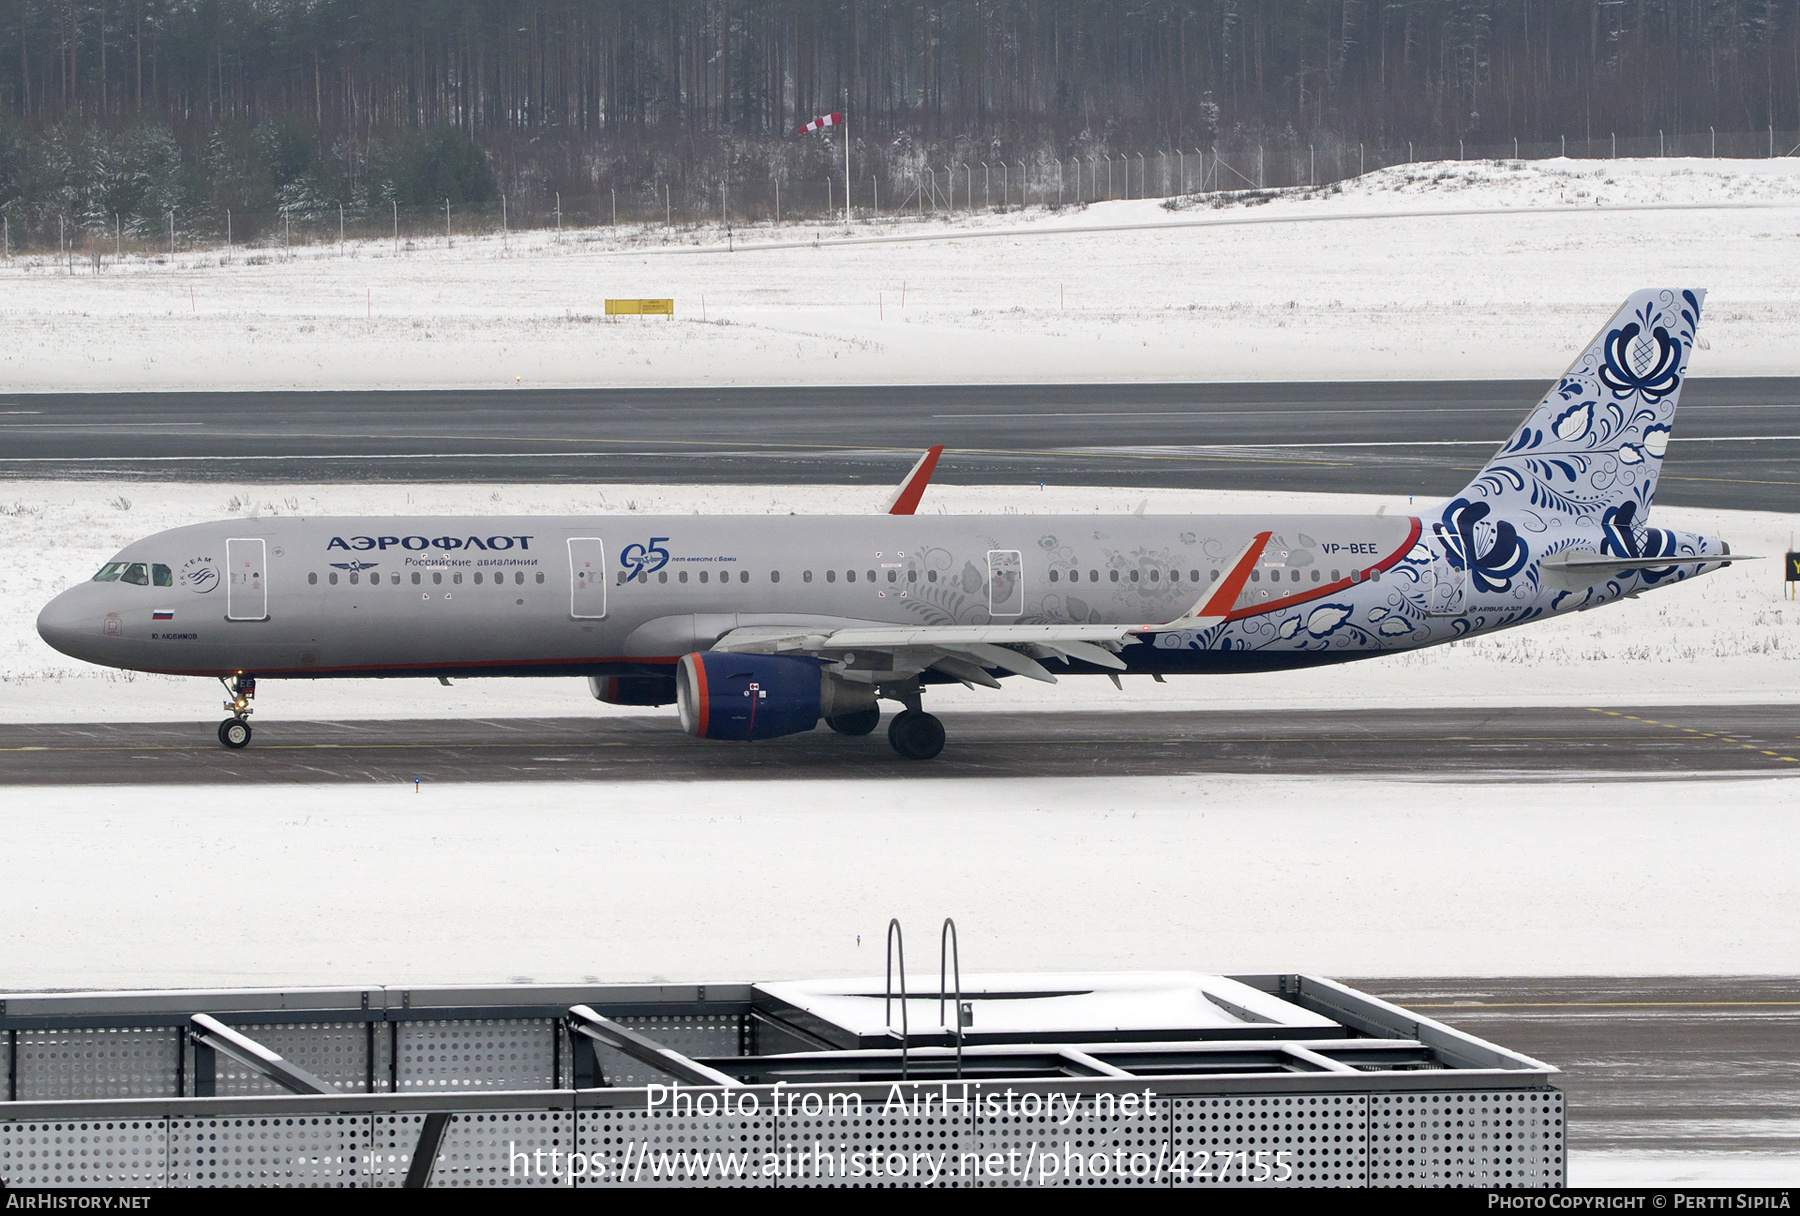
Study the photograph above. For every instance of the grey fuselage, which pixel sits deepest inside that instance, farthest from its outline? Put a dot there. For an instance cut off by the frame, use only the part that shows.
(613, 595)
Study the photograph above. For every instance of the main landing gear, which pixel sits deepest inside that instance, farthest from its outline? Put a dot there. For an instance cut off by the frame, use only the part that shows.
(916, 734)
(234, 732)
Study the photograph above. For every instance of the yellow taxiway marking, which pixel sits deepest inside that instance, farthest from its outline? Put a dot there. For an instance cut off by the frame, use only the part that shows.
(1751, 747)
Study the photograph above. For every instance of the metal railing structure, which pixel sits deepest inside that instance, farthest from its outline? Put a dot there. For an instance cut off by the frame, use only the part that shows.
(1274, 1080)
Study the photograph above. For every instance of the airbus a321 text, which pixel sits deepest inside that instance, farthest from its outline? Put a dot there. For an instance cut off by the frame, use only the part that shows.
(757, 627)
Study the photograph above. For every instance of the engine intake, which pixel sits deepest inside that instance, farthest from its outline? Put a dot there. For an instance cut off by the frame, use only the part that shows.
(723, 695)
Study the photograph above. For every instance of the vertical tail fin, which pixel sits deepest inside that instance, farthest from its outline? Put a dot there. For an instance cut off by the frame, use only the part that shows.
(1594, 445)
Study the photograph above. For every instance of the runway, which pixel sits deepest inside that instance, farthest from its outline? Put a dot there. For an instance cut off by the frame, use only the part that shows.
(1464, 744)
(1692, 1066)
(1737, 441)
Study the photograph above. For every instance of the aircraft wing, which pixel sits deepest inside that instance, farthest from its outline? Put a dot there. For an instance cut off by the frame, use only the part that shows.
(969, 652)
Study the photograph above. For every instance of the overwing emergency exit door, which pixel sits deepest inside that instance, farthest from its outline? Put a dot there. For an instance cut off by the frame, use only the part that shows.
(587, 577)
(246, 579)
(1006, 582)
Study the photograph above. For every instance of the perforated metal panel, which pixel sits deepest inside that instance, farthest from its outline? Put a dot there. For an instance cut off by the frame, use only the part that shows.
(127, 1153)
(335, 1052)
(1302, 1139)
(497, 1054)
(393, 1137)
(122, 1062)
(1106, 1142)
(288, 1151)
(636, 1147)
(1492, 1139)
(694, 1036)
(500, 1148)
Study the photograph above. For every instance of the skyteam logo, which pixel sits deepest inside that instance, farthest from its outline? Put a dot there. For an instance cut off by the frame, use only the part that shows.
(199, 575)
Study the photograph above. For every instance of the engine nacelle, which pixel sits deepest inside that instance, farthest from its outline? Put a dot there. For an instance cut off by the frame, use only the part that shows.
(633, 690)
(723, 695)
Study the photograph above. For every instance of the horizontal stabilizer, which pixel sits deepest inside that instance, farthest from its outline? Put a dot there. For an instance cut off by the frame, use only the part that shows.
(1612, 563)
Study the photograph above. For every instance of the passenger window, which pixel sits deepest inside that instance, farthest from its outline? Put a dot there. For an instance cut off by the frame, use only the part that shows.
(849, 576)
(161, 576)
(642, 578)
(354, 578)
(1334, 576)
(1256, 576)
(893, 576)
(1115, 575)
(137, 574)
(681, 577)
(332, 578)
(1315, 576)
(1093, 576)
(831, 576)
(540, 577)
(912, 576)
(1054, 576)
(662, 576)
(703, 576)
(415, 575)
(1375, 574)
(871, 576)
(1174, 576)
(743, 576)
(437, 576)
(1295, 578)
(1155, 574)
(478, 578)
(519, 578)
(931, 576)
(806, 576)
(457, 578)
(313, 578)
(110, 572)
(774, 576)
(1214, 578)
(1194, 575)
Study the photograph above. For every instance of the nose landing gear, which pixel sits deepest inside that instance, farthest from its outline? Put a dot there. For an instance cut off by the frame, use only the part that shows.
(234, 732)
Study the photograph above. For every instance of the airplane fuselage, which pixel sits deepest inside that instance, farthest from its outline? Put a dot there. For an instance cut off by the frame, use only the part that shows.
(469, 596)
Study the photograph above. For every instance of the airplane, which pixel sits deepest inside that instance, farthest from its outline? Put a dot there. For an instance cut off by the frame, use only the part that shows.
(758, 627)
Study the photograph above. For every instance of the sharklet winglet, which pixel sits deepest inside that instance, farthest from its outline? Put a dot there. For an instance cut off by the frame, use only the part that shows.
(1213, 607)
(905, 500)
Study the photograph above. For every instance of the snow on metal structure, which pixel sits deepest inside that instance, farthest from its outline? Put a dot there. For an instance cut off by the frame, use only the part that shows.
(1143, 1079)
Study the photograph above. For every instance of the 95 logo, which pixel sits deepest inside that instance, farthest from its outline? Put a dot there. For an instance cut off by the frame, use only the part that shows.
(644, 559)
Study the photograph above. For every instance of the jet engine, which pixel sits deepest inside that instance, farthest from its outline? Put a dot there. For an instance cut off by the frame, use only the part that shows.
(723, 695)
(633, 690)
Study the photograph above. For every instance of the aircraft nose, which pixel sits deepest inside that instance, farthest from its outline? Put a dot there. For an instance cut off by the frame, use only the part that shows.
(61, 623)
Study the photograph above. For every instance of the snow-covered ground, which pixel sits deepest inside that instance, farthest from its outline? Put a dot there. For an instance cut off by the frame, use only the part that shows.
(352, 884)
(1449, 270)
(1726, 637)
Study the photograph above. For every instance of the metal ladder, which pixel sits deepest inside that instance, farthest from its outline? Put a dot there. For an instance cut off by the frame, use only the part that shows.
(949, 964)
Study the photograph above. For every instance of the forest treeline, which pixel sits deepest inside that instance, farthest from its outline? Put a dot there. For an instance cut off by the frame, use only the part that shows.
(122, 111)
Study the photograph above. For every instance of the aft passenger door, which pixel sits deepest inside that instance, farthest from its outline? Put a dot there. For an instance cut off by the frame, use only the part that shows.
(587, 577)
(247, 579)
(1449, 573)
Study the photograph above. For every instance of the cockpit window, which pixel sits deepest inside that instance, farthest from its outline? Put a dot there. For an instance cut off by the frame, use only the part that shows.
(137, 574)
(110, 572)
(161, 576)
